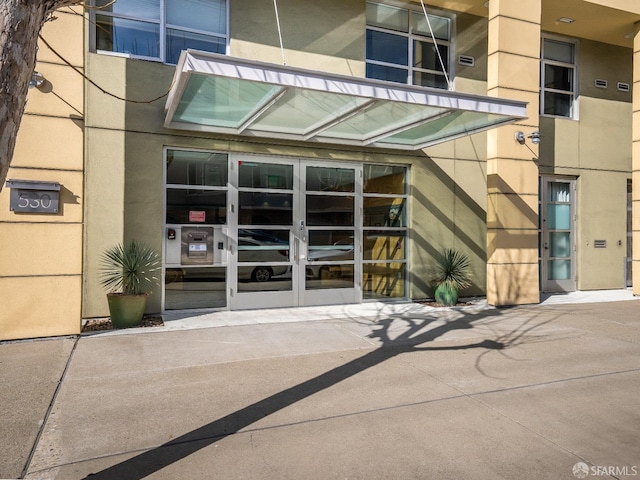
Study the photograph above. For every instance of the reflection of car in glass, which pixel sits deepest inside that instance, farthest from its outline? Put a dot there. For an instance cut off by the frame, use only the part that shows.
(251, 250)
(342, 250)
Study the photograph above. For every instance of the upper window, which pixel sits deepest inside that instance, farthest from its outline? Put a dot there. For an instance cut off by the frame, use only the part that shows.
(160, 29)
(558, 78)
(400, 46)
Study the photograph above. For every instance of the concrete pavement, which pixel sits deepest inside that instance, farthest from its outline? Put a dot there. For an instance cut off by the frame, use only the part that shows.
(376, 392)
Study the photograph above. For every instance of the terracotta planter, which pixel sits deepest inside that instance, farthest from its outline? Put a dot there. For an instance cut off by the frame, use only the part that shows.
(126, 310)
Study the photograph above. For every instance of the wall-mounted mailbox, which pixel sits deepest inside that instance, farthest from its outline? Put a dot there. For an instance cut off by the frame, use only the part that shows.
(197, 246)
(29, 196)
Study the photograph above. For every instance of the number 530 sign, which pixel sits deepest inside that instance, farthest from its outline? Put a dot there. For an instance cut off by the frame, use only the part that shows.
(28, 196)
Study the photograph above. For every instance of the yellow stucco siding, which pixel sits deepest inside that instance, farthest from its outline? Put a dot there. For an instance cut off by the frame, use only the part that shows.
(325, 36)
(625, 5)
(458, 198)
(601, 215)
(41, 259)
(40, 306)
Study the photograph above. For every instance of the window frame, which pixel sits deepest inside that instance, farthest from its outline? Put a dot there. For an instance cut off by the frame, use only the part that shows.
(411, 38)
(163, 26)
(573, 115)
(391, 229)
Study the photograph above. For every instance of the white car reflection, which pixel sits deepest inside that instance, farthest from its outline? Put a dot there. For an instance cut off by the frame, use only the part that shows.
(317, 266)
(250, 250)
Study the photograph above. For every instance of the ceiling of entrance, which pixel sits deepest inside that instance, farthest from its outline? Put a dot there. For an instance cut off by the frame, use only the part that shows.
(221, 94)
(608, 21)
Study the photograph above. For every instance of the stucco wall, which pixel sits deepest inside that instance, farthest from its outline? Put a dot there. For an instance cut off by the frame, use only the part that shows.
(449, 192)
(328, 35)
(596, 149)
(41, 255)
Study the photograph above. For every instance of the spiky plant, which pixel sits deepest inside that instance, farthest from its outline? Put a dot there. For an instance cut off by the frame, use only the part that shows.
(130, 268)
(451, 274)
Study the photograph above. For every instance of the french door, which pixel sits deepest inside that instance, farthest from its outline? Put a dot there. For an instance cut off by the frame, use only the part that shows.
(557, 214)
(293, 232)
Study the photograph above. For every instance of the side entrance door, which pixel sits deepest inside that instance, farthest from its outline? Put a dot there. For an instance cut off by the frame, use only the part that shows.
(557, 234)
(293, 232)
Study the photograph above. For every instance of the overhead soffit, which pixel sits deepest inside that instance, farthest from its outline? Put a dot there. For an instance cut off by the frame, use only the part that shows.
(222, 94)
(607, 21)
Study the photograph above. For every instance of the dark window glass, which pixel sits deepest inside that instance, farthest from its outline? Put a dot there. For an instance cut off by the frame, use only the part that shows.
(558, 104)
(388, 48)
(382, 245)
(385, 179)
(429, 80)
(142, 9)
(425, 56)
(195, 288)
(196, 168)
(388, 74)
(321, 179)
(383, 280)
(558, 78)
(384, 212)
(127, 36)
(185, 206)
(258, 208)
(323, 210)
(178, 40)
(265, 175)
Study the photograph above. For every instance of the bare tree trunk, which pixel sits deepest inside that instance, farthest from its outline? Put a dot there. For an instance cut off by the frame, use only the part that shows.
(20, 24)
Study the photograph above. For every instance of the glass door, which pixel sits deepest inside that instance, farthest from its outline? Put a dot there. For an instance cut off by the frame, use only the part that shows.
(263, 210)
(292, 233)
(558, 235)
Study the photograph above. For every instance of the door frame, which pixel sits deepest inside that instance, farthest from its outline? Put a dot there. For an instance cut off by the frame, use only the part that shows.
(556, 285)
(298, 240)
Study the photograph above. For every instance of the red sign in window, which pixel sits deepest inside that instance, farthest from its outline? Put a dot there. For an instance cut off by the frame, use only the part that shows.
(197, 216)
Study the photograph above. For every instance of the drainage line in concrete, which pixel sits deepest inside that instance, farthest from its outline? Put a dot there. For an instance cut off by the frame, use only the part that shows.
(49, 409)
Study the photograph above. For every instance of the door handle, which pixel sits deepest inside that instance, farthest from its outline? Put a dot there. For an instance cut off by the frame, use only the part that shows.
(546, 246)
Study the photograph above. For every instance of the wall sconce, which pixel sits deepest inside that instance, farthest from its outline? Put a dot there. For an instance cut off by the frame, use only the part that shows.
(37, 80)
(534, 136)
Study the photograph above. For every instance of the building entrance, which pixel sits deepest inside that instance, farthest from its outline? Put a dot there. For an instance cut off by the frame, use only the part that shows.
(557, 232)
(247, 231)
(292, 233)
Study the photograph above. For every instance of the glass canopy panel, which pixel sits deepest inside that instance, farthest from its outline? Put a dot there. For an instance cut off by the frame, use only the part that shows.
(217, 93)
(449, 126)
(383, 117)
(301, 111)
(221, 101)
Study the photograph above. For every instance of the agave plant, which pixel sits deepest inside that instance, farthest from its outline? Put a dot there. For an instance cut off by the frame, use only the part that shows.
(451, 274)
(130, 268)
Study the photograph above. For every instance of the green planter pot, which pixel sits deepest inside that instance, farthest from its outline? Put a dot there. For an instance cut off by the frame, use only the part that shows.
(126, 310)
(446, 295)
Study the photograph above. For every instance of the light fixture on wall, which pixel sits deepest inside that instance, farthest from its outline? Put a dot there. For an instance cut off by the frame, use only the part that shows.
(534, 136)
(37, 80)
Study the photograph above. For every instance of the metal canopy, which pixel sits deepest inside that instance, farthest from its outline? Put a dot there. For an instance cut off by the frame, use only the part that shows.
(217, 93)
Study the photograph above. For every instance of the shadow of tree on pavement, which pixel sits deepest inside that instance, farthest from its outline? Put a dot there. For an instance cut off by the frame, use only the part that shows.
(415, 335)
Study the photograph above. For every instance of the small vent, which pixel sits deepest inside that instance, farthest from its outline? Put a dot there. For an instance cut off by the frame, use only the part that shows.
(466, 60)
(599, 244)
(624, 87)
(601, 83)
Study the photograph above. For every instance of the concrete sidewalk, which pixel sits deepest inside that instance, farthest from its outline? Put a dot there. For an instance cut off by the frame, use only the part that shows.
(404, 391)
